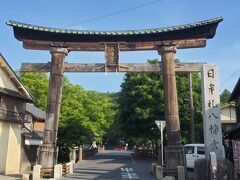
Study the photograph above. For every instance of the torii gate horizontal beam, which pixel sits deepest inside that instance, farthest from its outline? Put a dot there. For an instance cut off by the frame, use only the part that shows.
(101, 67)
(123, 46)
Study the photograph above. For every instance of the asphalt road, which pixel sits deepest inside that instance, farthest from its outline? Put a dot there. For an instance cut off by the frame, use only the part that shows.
(112, 165)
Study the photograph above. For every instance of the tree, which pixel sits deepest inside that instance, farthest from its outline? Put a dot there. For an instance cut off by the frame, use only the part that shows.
(100, 110)
(37, 85)
(224, 97)
(141, 103)
(84, 114)
(184, 106)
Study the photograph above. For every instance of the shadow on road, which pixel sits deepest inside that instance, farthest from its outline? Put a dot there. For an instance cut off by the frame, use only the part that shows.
(112, 165)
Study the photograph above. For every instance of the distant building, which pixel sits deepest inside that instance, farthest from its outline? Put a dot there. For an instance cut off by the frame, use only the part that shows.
(234, 133)
(16, 123)
(32, 137)
(228, 117)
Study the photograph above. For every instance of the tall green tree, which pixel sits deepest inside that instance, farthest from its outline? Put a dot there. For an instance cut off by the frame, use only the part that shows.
(141, 103)
(37, 85)
(84, 114)
(184, 106)
(224, 97)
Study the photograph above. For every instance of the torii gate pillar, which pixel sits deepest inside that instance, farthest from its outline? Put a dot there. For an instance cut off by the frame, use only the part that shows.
(174, 151)
(48, 152)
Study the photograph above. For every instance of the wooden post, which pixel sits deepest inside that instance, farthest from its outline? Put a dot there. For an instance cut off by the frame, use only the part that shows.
(191, 109)
(80, 154)
(174, 151)
(48, 151)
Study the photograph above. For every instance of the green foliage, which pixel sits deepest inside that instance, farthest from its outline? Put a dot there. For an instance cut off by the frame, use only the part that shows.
(129, 114)
(184, 106)
(224, 97)
(141, 103)
(37, 85)
(85, 115)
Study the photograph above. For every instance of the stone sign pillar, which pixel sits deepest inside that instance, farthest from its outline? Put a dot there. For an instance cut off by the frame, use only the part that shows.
(174, 151)
(211, 112)
(48, 151)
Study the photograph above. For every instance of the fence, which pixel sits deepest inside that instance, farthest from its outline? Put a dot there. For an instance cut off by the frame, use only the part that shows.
(83, 153)
(147, 153)
(66, 168)
(46, 172)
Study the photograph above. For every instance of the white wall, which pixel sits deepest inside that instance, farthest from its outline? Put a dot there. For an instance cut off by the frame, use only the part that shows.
(5, 81)
(228, 115)
(4, 132)
(10, 145)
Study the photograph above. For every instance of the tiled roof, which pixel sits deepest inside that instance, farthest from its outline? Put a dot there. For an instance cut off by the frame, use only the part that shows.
(236, 92)
(33, 135)
(127, 32)
(36, 112)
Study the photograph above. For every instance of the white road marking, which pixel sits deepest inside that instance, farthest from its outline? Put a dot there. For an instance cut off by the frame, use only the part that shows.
(128, 173)
(129, 176)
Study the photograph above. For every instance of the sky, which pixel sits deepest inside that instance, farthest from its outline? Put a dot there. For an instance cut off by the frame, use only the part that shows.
(223, 49)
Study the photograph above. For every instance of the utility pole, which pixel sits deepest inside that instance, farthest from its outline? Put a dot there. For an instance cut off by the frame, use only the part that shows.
(191, 109)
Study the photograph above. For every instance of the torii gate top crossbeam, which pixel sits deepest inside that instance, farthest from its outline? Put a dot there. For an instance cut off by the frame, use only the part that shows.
(183, 36)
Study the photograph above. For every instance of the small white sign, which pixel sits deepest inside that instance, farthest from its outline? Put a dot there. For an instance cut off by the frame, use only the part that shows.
(33, 142)
(160, 124)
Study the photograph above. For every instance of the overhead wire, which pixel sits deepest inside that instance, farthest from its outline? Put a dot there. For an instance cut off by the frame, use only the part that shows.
(113, 14)
(230, 77)
(105, 16)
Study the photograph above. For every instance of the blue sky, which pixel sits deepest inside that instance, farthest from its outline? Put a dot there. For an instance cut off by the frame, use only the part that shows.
(223, 49)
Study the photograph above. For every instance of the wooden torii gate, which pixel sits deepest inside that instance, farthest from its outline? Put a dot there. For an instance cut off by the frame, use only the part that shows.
(164, 40)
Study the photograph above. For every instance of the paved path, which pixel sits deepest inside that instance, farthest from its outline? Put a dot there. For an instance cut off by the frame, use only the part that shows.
(112, 165)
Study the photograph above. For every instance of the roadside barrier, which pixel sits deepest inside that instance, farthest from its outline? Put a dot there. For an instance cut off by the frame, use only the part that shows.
(147, 153)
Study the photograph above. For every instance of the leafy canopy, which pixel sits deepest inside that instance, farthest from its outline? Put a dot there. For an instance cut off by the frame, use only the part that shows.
(85, 115)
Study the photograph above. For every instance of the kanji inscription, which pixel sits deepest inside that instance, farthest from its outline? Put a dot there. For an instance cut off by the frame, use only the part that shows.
(236, 155)
(211, 111)
(112, 53)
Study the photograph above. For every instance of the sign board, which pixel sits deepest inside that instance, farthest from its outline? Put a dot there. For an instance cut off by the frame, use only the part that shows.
(112, 53)
(211, 111)
(236, 155)
(160, 124)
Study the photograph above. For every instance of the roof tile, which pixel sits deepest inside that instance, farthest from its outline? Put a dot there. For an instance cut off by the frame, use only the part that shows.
(127, 32)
